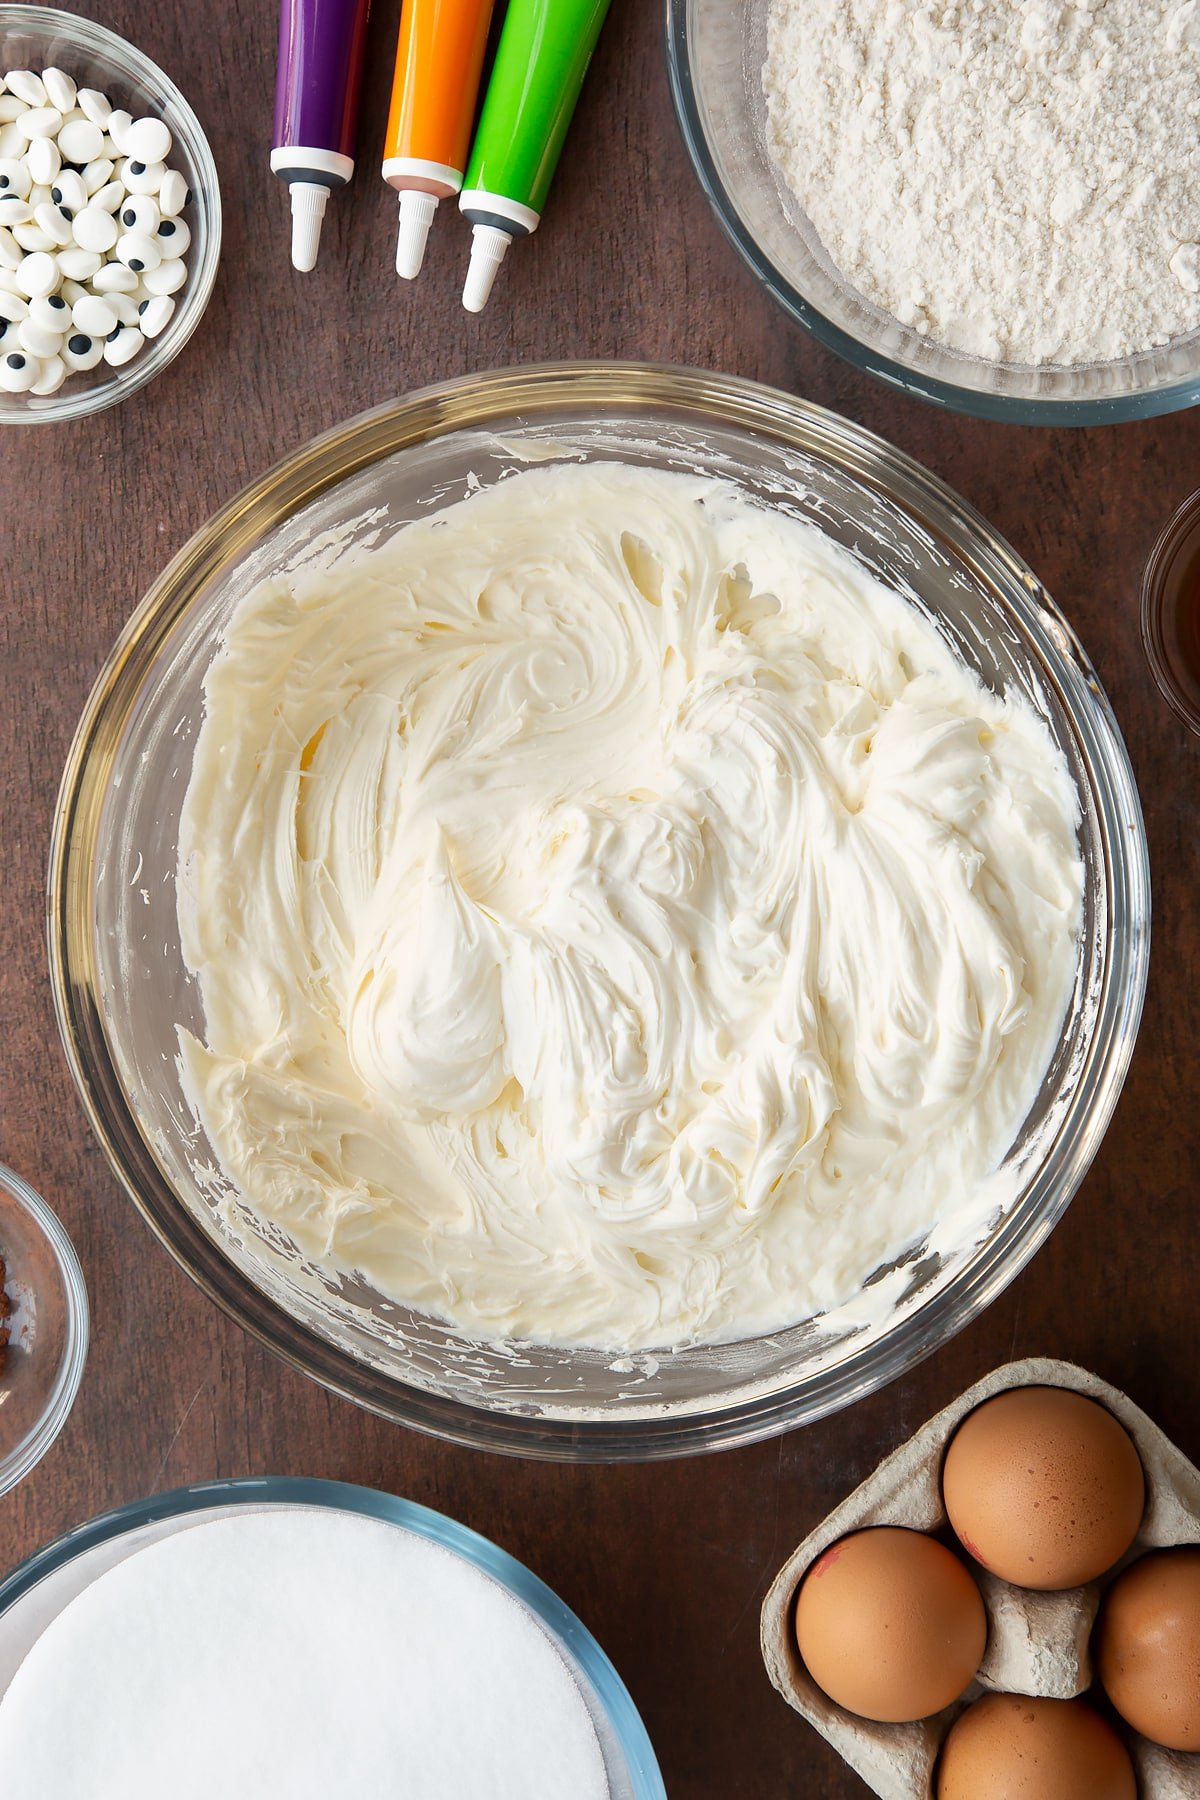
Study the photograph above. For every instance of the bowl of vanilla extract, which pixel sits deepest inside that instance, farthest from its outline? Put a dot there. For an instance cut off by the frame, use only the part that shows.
(1171, 612)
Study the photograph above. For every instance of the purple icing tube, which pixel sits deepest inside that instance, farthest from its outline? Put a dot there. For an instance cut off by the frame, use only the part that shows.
(321, 44)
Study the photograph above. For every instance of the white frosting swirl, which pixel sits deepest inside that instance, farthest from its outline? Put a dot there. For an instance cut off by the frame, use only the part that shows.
(619, 919)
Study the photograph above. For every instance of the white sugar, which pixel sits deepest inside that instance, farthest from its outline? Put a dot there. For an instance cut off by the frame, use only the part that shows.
(294, 1654)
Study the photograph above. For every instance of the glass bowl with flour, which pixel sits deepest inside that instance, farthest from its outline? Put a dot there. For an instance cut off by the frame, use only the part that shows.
(599, 910)
(995, 207)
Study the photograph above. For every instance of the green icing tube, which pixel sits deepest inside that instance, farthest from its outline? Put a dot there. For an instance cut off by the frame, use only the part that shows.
(544, 52)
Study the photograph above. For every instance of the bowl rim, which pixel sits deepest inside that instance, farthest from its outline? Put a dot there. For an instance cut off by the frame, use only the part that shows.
(954, 396)
(473, 402)
(25, 1455)
(255, 1491)
(206, 247)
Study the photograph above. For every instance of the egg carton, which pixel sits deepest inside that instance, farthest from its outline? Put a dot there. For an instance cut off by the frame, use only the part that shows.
(1038, 1643)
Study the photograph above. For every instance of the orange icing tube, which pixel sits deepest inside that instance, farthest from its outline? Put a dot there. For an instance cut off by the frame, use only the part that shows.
(439, 60)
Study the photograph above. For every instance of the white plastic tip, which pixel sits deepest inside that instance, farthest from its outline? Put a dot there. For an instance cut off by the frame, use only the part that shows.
(489, 247)
(416, 216)
(308, 209)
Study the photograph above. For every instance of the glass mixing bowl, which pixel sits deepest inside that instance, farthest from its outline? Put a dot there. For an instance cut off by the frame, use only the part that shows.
(715, 54)
(121, 987)
(39, 37)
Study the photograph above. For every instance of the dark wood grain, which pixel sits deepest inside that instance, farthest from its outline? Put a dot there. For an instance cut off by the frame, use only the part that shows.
(666, 1564)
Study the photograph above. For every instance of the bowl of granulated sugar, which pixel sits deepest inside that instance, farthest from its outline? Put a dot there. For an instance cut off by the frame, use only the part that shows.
(995, 207)
(268, 1639)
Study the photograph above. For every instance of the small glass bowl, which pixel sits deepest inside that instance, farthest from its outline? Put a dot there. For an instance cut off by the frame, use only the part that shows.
(1166, 571)
(38, 37)
(48, 1329)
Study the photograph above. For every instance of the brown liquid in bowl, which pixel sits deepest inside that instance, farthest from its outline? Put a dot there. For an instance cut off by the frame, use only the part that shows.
(1171, 612)
(1181, 624)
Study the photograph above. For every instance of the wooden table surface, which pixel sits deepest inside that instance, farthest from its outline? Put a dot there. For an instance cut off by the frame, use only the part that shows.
(666, 1564)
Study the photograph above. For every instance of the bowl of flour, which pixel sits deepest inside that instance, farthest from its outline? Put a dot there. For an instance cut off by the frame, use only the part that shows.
(995, 207)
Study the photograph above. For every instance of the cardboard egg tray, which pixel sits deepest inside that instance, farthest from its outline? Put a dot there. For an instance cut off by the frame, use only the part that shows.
(1037, 1642)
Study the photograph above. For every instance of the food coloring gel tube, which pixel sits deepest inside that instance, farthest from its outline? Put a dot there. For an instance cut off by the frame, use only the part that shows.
(321, 44)
(439, 60)
(541, 61)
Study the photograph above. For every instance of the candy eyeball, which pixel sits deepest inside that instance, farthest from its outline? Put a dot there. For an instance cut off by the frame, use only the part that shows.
(122, 345)
(95, 106)
(139, 212)
(54, 222)
(54, 373)
(38, 274)
(109, 197)
(51, 312)
(69, 192)
(44, 159)
(174, 238)
(18, 372)
(31, 237)
(80, 141)
(115, 278)
(59, 89)
(141, 177)
(138, 251)
(173, 194)
(26, 86)
(117, 127)
(79, 265)
(15, 178)
(168, 278)
(38, 341)
(98, 174)
(81, 351)
(94, 314)
(155, 314)
(126, 308)
(40, 121)
(95, 229)
(149, 141)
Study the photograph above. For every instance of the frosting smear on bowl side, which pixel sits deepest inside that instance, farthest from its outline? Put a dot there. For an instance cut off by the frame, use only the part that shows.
(620, 920)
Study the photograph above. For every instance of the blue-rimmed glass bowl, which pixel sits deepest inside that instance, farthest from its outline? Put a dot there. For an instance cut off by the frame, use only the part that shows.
(715, 55)
(38, 1589)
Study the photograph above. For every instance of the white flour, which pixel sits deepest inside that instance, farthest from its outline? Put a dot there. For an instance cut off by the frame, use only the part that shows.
(1018, 179)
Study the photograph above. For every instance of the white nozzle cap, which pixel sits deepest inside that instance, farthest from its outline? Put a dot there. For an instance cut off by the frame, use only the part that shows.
(416, 216)
(308, 209)
(489, 247)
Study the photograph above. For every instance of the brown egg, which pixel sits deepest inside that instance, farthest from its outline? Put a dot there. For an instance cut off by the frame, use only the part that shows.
(890, 1624)
(1009, 1747)
(1043, 1487)
(1148, 1647)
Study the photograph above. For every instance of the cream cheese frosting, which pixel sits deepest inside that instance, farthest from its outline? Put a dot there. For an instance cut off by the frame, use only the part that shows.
(620, 920)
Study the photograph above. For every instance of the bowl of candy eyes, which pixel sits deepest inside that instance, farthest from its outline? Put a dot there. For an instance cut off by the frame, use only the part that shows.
(110, 217)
